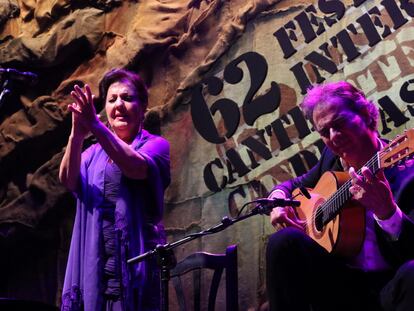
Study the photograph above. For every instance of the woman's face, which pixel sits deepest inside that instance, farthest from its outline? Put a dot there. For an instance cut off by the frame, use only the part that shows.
(124, 110)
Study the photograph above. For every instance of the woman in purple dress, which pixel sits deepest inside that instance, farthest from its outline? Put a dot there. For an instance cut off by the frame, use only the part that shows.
(119, 184)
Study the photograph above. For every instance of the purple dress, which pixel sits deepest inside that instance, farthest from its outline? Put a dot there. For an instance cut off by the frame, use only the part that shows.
(137, 222)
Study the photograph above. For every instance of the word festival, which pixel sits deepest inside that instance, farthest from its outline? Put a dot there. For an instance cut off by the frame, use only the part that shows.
(368, 28)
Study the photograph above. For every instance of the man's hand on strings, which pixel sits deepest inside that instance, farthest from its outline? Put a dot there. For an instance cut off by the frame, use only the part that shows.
(373, 192)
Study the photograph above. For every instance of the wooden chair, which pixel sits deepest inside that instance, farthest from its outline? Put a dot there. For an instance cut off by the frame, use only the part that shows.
(216, 262)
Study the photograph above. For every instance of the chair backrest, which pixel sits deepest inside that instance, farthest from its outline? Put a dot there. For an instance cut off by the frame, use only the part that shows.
(218, 263)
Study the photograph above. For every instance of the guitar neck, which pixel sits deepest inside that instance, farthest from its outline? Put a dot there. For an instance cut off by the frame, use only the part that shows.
(334, 204)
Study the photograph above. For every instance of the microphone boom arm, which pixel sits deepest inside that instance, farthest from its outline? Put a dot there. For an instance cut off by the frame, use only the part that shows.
(165, 255)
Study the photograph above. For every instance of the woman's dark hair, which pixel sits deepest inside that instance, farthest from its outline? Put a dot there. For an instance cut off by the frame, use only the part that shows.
(341, 92)
(122, 75)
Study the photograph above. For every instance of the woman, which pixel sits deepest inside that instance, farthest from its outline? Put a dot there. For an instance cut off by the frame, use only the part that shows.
(119, 184)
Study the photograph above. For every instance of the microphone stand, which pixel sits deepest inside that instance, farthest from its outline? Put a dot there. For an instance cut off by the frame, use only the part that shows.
(165, 255)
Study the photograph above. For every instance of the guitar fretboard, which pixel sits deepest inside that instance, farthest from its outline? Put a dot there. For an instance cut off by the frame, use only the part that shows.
(333, 205)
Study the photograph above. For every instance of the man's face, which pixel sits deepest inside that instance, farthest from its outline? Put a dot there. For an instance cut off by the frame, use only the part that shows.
(344, 132)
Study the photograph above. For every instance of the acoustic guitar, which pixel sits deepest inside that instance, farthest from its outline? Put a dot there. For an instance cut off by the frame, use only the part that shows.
(333, 218)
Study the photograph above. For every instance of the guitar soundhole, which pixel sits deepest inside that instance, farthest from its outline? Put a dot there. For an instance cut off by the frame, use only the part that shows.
(319, 220)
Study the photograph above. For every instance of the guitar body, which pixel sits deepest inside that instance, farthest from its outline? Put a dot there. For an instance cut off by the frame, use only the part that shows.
(345, 233)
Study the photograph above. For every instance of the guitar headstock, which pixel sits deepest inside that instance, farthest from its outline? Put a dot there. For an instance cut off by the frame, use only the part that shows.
(398, 150)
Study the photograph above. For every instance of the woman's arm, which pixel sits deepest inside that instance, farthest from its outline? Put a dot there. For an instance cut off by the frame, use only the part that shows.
(130, 162)
(70, 166)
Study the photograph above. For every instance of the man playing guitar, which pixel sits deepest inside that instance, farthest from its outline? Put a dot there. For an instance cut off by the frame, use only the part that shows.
(362, 258)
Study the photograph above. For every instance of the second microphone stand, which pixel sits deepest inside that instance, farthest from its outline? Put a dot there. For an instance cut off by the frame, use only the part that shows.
(165, 255)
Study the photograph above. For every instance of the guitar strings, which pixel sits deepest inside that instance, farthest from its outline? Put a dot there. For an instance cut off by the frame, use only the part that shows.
(342, 193)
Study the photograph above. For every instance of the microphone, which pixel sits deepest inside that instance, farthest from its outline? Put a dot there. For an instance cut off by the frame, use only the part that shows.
(14, 74)
(265, 205)
(278, 202)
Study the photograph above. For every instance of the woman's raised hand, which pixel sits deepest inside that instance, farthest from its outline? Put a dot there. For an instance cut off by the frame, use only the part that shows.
(83, 111)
